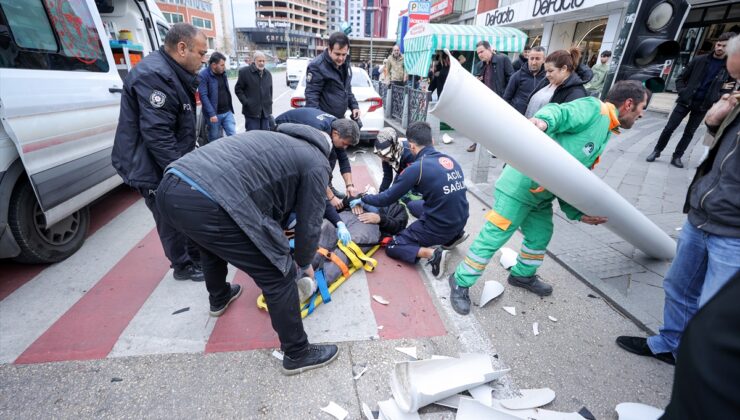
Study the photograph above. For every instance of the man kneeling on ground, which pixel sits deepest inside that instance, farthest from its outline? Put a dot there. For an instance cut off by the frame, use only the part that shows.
(439, 179)
(232, 198)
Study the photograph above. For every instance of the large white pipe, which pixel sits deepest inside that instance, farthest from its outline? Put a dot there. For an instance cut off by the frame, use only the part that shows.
(481, 115)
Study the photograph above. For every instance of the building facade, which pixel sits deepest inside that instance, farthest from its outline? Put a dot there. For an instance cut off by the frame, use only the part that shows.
(197, 12)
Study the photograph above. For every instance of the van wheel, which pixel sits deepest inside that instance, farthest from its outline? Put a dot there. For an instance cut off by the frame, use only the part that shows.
(38, 243)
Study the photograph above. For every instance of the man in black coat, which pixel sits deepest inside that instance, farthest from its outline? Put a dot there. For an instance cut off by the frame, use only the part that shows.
(525, 80)
(494, 70)
(699, 85)
(156, 126)
(329, 79)
(233, 197)
(521, 61)
(254, 90)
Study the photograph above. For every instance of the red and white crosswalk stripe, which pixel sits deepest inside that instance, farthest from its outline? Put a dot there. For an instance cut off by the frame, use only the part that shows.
(117, 297)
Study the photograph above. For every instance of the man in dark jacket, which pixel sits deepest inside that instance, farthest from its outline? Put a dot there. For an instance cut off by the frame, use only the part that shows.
(699, 85)
(709, 246)
(235, 211)
(254, 90)
(524, 81)
(494, 70)
(156, 126)
(440, 180)
(216, 98)
(521, 61)
(343, 134)
(329, 79)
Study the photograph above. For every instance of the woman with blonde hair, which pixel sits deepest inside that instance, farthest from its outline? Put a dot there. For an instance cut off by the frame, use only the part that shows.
(561, 84)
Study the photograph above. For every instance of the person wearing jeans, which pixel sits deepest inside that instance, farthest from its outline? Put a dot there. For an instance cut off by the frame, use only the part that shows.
(216, 98)
(709, 245)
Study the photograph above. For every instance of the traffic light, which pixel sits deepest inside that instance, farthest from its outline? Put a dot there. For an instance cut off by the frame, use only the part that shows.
(652, 42)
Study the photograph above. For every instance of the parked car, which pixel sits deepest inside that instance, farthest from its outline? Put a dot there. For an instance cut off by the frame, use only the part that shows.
(372, 114)
(60, 88)
(295, 69)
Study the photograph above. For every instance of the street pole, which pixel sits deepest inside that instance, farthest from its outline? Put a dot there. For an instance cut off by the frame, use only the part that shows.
(236, 39)
(372, 32)
(287, 39)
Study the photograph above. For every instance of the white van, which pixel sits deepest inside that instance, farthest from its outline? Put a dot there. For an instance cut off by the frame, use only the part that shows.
(294, 70)
(60, 90)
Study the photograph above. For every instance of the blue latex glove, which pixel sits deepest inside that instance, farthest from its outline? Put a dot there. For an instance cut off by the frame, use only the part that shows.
(343, 234)
(356, 202)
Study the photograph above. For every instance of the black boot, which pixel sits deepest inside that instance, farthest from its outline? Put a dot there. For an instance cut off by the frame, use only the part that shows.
(676, 161)
(533, 284)
(652, 156)
(314, 357)
(459, 297)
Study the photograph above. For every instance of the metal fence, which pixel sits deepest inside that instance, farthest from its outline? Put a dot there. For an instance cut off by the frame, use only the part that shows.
(398, 94)
(418, 101)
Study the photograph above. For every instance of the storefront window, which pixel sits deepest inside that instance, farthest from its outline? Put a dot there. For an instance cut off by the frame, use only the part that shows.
(588, 37)
(734, 12)
(715, 13)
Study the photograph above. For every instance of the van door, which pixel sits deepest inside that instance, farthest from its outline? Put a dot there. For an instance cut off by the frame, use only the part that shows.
(59, 100)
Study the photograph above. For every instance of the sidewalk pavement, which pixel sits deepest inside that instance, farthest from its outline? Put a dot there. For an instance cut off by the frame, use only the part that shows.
(623, 275)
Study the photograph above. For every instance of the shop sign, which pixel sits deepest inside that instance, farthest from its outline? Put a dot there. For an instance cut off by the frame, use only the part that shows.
(533, 9)
(441, 8)
(419, 12)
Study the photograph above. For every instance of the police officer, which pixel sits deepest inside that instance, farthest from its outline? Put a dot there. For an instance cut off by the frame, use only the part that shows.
(440, 180)
(343, 133)
(235, 210)
(329, 88)
(156, 126)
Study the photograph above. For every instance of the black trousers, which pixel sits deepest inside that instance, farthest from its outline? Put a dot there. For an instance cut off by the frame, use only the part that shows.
(179, 250)
(696, 116)
(706, 384)
(222, 241)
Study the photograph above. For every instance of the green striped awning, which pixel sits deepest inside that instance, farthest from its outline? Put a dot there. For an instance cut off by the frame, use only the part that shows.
(424, 39)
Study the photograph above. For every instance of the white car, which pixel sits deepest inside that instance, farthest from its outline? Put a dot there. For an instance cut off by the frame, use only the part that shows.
(372, 114)
(295, 69)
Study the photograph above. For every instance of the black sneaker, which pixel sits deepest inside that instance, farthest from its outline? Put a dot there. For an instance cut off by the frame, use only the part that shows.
(459, 296)
(639, 346)
(316, 356)
(533, 284)
(189, 272)
(455, 242)
(236, 290)
(438, 261)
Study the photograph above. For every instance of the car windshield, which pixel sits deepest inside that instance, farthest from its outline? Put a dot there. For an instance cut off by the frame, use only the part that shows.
(359, 79)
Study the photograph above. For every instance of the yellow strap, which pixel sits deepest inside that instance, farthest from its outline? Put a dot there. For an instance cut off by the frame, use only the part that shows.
(335, 259)
(370, 263)
(356, 263)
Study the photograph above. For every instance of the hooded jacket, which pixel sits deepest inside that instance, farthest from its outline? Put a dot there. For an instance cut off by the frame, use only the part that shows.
(521, 85)
(260, 177)
(156, 124)
(329, 88)
(571, 89)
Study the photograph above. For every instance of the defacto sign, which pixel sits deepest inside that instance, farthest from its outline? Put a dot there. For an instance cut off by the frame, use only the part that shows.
(533, 9)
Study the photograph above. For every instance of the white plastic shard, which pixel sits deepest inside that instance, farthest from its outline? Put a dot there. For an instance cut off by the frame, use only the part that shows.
(358, 370)
(508, 258)
(510, 309)
(446, 139)
(416, 384)
(380, 299)
(367, 412)
(452, 401)
(278, 355)
(537, 413)
(536, 328)
(637, 411)
(335, 410)
(483, 394)
(409, 351)
(390, 410)
(531, 398)
(545, 161)
(491, 290)
(474, 410)
(552, 318)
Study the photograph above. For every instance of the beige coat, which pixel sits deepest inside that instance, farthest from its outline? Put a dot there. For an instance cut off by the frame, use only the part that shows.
(394, 68)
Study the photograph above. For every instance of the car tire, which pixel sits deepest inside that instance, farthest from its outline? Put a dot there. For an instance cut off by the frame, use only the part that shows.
(38, 244)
